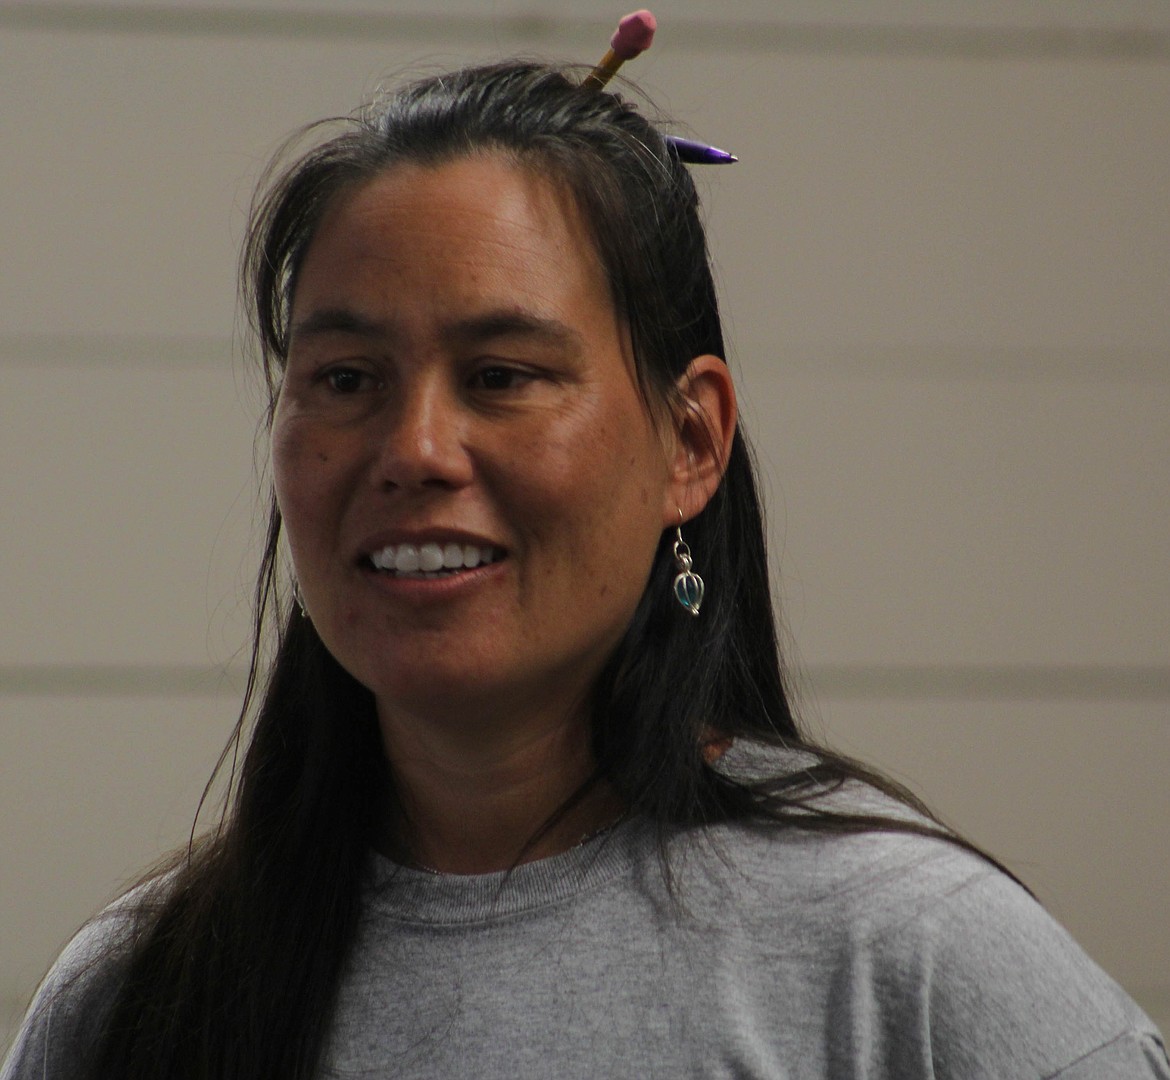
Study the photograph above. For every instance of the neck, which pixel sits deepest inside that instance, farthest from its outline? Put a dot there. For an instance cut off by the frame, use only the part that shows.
(470, 804)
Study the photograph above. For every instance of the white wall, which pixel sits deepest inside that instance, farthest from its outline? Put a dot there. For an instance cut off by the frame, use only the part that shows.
(946, 264)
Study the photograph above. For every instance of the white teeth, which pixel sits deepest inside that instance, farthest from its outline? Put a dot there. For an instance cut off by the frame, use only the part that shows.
(407, 561)
(431, 557)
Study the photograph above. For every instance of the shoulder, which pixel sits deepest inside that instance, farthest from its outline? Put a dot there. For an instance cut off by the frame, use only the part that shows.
(66, 1016)
(924, 948)
(871, 878)
(1009, 992)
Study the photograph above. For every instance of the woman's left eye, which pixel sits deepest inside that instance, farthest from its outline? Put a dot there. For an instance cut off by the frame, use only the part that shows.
(499, 377)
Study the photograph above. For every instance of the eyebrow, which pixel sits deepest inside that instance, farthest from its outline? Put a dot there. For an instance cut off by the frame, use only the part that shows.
(472, 330)
(338, 321)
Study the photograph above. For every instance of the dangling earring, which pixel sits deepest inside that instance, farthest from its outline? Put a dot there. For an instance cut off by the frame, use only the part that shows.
(298, 599)
(688, 586)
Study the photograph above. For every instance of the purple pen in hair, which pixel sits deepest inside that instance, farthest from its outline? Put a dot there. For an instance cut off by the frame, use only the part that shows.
(697, 153)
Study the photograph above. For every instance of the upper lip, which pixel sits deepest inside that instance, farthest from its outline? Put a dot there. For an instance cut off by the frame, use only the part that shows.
(417, 535)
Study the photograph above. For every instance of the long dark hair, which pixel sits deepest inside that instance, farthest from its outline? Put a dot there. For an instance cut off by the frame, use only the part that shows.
(235, 964)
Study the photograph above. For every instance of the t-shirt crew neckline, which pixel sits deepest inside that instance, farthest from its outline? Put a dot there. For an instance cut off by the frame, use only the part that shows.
(420, 896)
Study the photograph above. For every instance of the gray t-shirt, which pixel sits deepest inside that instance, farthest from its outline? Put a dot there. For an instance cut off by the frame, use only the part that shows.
(777, 954)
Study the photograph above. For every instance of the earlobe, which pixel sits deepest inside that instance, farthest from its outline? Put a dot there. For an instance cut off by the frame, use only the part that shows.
(705, 426)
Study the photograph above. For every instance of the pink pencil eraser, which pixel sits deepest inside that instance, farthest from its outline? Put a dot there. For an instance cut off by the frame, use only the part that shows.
(633, 35)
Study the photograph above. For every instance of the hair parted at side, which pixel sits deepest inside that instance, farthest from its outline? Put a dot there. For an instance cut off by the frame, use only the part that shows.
(234, 968)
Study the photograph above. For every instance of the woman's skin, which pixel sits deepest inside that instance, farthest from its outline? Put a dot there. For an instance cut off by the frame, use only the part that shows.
(458, 379)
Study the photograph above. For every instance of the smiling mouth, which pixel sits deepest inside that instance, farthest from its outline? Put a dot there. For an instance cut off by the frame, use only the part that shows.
(432, 560)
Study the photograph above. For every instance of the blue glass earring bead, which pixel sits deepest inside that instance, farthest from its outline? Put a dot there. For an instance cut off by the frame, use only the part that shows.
(688, 586)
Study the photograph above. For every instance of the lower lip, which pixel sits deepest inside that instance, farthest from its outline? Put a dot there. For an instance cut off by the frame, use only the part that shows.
(436, 588)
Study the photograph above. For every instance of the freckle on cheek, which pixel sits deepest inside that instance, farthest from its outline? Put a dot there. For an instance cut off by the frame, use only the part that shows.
(322, 456)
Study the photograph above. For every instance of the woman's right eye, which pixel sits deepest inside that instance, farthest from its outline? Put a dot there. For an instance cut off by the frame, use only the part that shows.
(346, 380)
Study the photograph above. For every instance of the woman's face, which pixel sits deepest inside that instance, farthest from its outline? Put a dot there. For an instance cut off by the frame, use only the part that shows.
(460, 388)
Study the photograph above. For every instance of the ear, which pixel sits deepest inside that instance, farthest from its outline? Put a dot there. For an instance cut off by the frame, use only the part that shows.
(704, 425)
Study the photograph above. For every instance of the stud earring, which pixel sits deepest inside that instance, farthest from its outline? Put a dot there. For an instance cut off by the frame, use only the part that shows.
(688, 586)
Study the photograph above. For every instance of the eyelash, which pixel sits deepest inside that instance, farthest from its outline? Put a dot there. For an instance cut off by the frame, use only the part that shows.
(512, 375)
(334, 376)
(346, 381)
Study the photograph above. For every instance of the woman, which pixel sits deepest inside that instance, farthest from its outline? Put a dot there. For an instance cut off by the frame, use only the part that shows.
(524, 795)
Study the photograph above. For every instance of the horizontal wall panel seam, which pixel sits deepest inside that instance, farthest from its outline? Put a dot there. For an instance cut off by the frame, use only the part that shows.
(873, 681)
(987, 682)
(117, 350)
(121, 680)
(876, 38)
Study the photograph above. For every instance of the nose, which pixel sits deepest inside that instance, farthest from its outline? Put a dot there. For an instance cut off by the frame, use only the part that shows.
(422, 442)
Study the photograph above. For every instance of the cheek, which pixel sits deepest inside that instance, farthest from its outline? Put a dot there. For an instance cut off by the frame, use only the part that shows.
(302, 473)
(287, 455)
(606, 485)
(577, 471)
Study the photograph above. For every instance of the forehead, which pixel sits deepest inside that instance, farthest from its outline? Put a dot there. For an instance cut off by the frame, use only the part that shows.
(484, 224)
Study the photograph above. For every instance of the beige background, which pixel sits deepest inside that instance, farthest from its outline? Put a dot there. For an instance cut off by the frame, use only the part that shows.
(945, 258)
